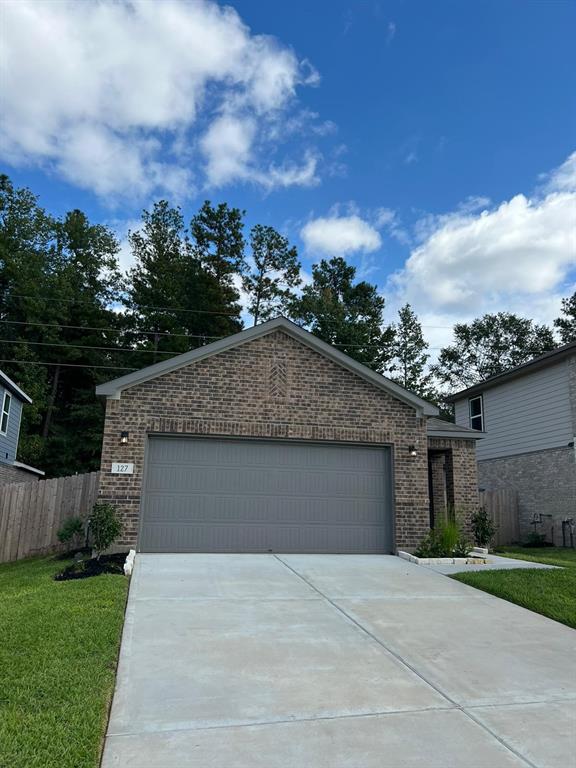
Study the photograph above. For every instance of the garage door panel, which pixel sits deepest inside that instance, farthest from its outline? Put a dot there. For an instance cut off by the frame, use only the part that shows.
(267, 480)
(213, 495)
(202, 508)
(349, 539)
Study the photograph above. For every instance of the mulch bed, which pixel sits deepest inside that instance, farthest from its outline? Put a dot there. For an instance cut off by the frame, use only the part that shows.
(84, 569)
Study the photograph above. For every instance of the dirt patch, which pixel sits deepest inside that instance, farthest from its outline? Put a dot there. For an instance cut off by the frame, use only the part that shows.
(84, 569)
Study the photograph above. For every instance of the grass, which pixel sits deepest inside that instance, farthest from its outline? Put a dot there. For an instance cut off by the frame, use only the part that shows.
(58, 650)
(551, 593)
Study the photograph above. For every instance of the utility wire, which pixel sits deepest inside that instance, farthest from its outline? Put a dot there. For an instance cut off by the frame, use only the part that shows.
(139, 306)
(160, 352)
(85, 346)
(113, 330)
(177, 309)
(68, 365)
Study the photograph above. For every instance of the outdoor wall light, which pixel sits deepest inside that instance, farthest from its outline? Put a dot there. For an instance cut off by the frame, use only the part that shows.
(123, 438)
(412, 451)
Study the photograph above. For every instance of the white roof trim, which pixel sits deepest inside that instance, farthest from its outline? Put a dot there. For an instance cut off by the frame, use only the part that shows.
(7, 381)
(114, 388)
(28, 468)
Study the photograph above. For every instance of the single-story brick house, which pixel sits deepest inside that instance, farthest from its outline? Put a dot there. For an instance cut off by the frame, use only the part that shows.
(272, 440)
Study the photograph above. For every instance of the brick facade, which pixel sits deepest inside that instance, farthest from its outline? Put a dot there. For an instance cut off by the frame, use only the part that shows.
(270, 387)
(545, 482)
(460, 475)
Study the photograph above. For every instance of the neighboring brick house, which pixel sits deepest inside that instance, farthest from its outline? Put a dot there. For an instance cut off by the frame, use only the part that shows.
(272, 440)
(528, 416)
(12, 400)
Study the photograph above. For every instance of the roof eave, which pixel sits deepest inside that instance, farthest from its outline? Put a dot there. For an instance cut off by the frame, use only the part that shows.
(550, 358)
(452, 434)
(7, 381)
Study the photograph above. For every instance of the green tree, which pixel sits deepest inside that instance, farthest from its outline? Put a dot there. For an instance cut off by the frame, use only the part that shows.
(276, 273)
(489, 346)
(345, 314)
(409, 354)
(58, 280)
(175, 302)
(218, 236)
(26, 261)
(566, 324)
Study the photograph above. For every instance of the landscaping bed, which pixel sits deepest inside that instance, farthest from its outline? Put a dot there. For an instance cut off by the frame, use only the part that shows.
(90, 566)
(58, 656)
(551, 593)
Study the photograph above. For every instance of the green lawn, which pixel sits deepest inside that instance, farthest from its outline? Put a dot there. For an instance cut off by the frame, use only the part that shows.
(58, 650)
(551, 593)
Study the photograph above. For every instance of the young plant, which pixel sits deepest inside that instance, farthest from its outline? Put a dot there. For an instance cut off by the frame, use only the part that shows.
(444, 540)
(105, 527)
(71, 531)
(483, 528)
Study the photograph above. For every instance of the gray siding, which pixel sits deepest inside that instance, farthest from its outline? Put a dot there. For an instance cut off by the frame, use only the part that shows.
(530, 413)
(9, 441)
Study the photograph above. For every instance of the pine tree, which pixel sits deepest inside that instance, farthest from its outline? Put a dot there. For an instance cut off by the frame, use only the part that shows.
(410, 356)
(58, 279)
(175, 302)
(345, 314)
(276, 273)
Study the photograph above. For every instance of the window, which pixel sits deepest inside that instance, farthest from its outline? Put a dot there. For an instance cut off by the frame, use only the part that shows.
(476, 407)
(5, 413)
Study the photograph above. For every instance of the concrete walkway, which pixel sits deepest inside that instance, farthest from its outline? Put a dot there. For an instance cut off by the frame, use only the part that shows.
(334, 661)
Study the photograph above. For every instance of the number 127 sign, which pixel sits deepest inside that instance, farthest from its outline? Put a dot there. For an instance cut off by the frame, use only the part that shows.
(122, 468)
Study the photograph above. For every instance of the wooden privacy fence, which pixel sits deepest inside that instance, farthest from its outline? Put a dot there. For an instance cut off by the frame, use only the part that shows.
(502, 507)
(32, 513)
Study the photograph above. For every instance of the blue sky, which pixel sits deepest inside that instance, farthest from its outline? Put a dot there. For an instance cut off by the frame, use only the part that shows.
(430, 143)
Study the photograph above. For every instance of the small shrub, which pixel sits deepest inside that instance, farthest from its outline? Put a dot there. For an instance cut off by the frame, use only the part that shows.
(444, 540)
(483, 528)
(105, 526)
(71, 531)
(462, 547)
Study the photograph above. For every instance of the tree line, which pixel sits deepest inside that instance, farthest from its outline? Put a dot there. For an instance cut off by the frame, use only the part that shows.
(70, 319)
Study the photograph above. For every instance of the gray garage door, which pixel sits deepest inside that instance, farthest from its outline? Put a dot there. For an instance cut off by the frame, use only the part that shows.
(207, 495)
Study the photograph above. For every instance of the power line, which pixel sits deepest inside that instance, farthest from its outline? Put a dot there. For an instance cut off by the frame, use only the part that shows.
(162, 352)
(113, 330)
(68, 365)
(85, 346)
(139, 306)
(178, 309)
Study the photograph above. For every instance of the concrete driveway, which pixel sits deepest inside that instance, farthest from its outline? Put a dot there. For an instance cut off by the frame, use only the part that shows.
(334, 661)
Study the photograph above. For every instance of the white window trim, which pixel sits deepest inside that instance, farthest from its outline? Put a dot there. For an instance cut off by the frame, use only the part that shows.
(5, 431)
(481, 414)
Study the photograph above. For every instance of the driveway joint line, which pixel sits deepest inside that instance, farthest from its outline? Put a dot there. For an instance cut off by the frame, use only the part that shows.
(403, 661)
(295, 720)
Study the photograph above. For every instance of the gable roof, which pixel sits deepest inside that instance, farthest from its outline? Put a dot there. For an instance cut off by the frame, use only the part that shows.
(114, 388)
(7, 382)
(548, 358)
(440, 428)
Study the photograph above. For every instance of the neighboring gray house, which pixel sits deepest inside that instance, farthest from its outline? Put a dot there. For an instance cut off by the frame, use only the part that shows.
(12, 399)
(528, 417)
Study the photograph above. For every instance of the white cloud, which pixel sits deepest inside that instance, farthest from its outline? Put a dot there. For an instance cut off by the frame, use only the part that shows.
(337, 235)
(563, 178)
(105, 92)
(517, 256)
(227, 148)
